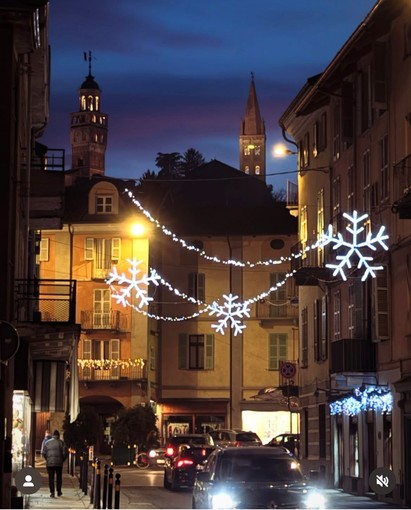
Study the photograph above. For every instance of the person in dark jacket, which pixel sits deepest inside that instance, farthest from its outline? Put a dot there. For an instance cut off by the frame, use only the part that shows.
(55, 452)
(47, 436)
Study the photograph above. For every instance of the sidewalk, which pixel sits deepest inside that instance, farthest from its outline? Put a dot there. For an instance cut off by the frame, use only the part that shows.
(73, 496)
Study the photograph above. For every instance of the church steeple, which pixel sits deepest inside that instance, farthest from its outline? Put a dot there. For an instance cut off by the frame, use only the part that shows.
(252, 137)
(88, 132)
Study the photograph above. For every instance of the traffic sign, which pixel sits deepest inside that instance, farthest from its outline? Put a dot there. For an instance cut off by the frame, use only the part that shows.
(288, 369)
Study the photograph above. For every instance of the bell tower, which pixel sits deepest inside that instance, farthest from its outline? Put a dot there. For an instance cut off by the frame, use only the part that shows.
(88, 130)
(253, 138)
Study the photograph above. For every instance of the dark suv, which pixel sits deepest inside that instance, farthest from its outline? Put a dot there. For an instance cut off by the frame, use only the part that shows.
(253, 478)
(184, 454)
(234, 437)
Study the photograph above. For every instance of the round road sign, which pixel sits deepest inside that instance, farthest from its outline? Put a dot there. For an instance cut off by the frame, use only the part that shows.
(288, 370)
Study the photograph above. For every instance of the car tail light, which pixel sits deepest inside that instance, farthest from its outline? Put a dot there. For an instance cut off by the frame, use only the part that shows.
(184, 462)
(203, 452)
(170, 451)
(237, 443)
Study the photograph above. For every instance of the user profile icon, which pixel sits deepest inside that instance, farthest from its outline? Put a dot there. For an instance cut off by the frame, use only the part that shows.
(28, 480)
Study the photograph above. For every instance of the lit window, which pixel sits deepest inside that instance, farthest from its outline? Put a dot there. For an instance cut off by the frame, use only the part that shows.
(104, 204)
(247, 169)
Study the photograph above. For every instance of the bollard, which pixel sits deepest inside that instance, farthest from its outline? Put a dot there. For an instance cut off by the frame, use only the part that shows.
(97, 486)
(110, 489)
(80, 478)
(93, 479)
(73, 462)
(69, 457)
(117, 491)
(105, 483)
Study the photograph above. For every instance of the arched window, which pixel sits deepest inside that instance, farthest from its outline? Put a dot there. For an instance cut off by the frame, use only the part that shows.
(97, 103)
(83, 102)
(90, 103)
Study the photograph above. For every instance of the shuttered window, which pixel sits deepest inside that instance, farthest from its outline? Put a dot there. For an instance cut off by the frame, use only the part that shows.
(277, 350)
(44, 249)
(196, 286)
(195, 352)
(381, 304)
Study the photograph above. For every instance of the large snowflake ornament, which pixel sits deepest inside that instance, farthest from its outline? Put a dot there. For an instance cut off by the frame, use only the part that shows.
(355, 247)
(231, 312)
(134, 282)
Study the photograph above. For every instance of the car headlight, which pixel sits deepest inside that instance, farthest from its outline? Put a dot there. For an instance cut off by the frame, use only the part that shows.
(152, 454)
(315, 500)
(222, 500)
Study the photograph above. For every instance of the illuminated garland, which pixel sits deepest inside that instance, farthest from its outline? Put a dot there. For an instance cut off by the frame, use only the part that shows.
(373, 398)
(108, 364)
(203, 254)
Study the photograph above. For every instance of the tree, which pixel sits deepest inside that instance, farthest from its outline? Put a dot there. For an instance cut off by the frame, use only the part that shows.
(149, 175)
(134, 425)
(191, 159)
(85, 431)
(279, 195)
(169, 165)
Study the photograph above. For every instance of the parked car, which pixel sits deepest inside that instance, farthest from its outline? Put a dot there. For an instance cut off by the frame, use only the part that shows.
(234, 437)
(290, 441)
(253, 477)
(184, 455)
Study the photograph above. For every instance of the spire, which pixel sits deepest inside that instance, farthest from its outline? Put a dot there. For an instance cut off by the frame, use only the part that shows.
(253, 124)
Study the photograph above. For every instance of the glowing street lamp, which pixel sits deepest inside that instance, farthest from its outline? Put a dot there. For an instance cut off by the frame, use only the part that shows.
(280, 151)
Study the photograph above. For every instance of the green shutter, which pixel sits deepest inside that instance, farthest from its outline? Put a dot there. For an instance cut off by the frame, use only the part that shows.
(182, 351)
(201, 287)
(209, 352)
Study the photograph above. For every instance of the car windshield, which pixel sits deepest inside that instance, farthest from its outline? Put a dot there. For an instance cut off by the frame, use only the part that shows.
(258, 468)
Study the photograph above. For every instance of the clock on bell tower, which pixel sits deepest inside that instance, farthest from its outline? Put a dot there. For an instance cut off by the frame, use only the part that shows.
(252, 137)
(88, 130)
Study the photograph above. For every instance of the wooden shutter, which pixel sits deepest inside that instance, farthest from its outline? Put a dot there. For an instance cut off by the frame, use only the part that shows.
(317, 329)
(44, 249)
(115, 249)
(87, 355)
(209, 352)
(89, 248)
(115, 354)
(183, 351)
(324, 343)
(201, 287)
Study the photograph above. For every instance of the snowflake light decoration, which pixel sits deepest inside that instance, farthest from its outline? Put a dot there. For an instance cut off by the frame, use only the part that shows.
(355, 247)
(232, 313)
(133, 283)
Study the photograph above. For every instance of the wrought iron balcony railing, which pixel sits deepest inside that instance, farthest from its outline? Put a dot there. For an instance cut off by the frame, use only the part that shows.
(123, 371)
(44, 300)
(281, 310)
(352, 355)
(112, 320)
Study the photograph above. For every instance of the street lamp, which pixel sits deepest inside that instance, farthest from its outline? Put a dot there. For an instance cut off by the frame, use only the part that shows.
(280, 151)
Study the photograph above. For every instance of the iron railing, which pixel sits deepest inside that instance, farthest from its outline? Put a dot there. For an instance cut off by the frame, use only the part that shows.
(44, 300)
(112, 320)
(352, 355)
(125, 371)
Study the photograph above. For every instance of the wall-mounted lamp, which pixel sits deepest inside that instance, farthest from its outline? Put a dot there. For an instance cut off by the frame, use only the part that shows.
(280, 151)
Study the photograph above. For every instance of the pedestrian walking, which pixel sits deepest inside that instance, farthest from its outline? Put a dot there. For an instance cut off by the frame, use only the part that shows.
(47, 436)
(55, 453)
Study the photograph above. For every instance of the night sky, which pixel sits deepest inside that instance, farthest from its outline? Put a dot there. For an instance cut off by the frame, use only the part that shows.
(175, 74)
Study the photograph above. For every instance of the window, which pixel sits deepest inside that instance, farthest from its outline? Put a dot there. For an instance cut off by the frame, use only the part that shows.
(320, 225)
(380, 75)
(44, 249)
(365, 98)
(351, 189)
(347, 113)
(278, 298)
(306, 151)
(384, 182)
(304, 337)
(104, 204)
(320, 329)
(104, 252)
(353, 447)
(336, 131)
(196, 286)
(277, 350)
(195, 352)
(102, 309)
(247, 169)
(322, 429)
(101, 351)
(303, 230)
(355, 310)
(337, 315)
(366, 179)
(257, 170)
(380, 298)
(316, 131)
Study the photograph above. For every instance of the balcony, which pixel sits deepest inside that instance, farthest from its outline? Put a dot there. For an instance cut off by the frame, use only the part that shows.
(277, 312)
(352, 355)
(46, 301)
(292, 198)
(113, 320)
(95, 370)
(309, 266)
